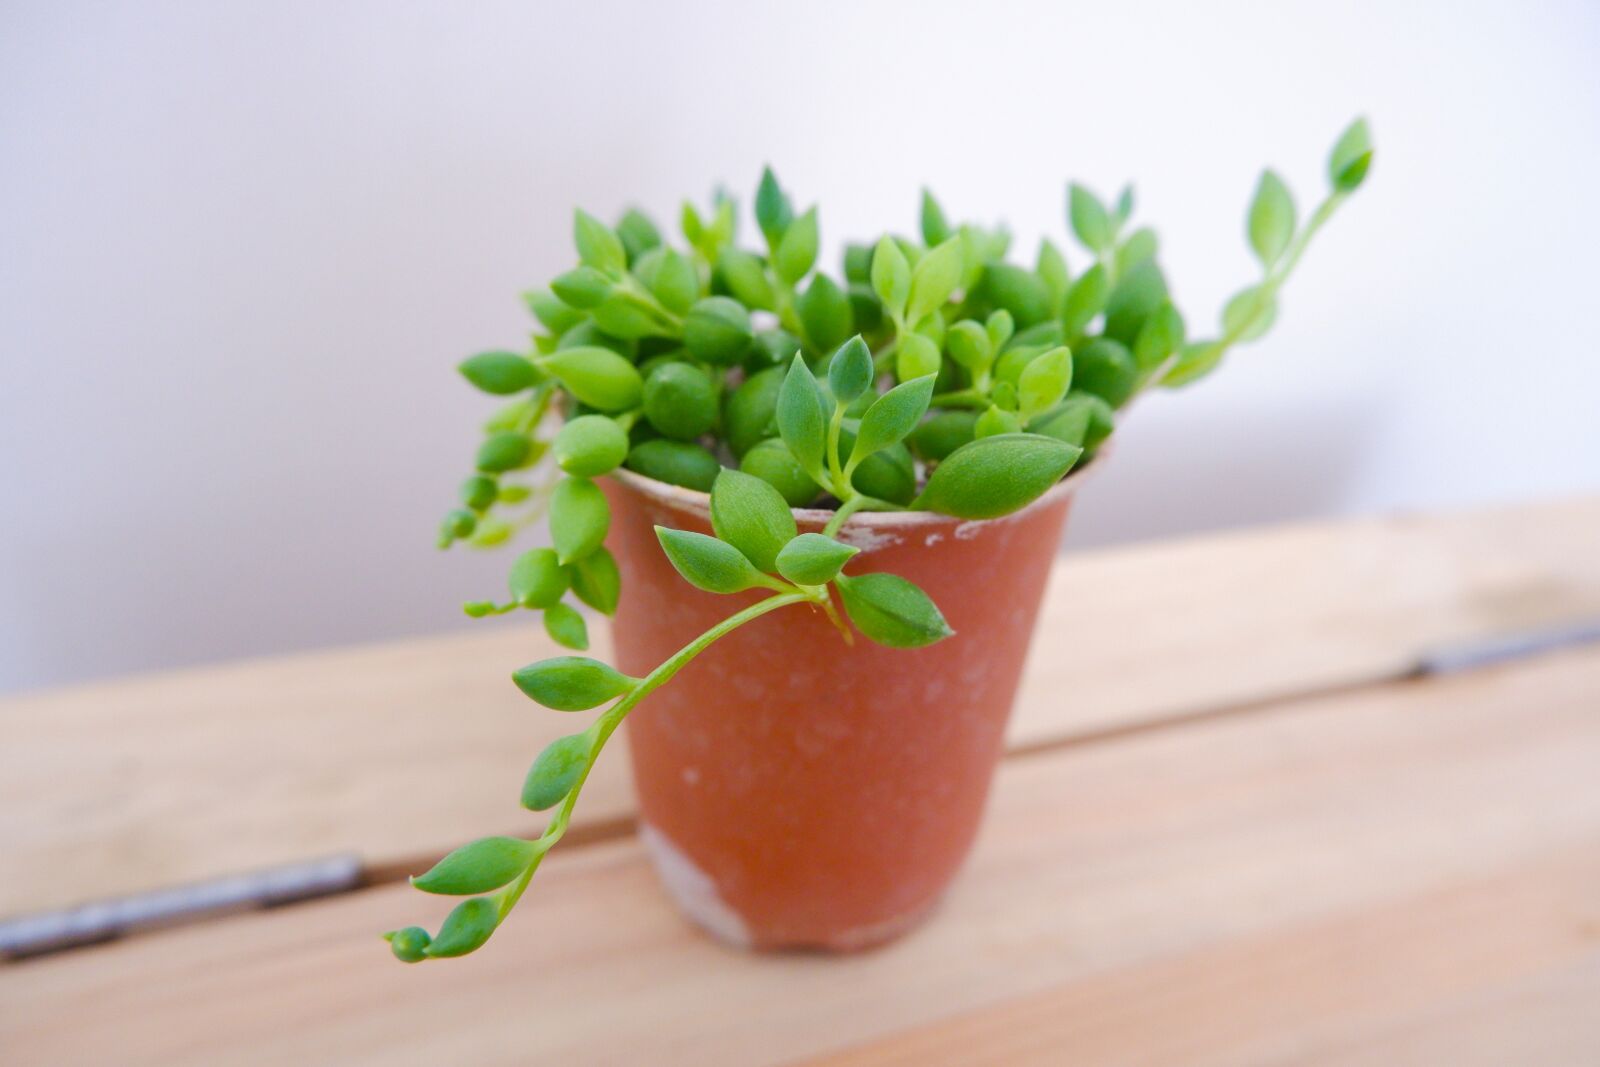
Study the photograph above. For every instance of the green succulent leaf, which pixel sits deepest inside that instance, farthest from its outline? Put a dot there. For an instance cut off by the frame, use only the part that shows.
(676, 463)
(1195, 361)
(996, 475)
(850, 371)
(717, 330)
(999, 326)
(556, 771)
(555, 314)
(486, 864)
(466, 928)
(803, 417)
(598, 246)
(892, 417)
(892, 611)
(566, 627)
(1160, 336)
(479, 492)
(1272, 219)
(747, 279)
(1139, 246)
(891, 277)
(579, 518)
(1052, 270)
(968, 344)
(1351, 158)
(537, 578)
(943, 433)
(1089, 219)
(1250, 313)
(597, 376)
(796, 253)
(583, 287)
(825, 313)
(1135, 297)
(590, 445)
(673, 282)
(752, 516)
(812, 559)
(638, 233)
(503, 452)
(916, 357)
(571, 683)
(773, 463)
(1107, 369)
(773, 212)
(751, 412)
(1085, 299)
(596, 580)
(409, 945)
(707, 563)
(680, 400)
(1044, 381)
(1018, 291)
(500, 373)
(935, 230)
(934, 278)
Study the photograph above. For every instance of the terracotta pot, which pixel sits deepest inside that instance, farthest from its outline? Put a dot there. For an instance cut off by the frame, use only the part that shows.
(796, 791)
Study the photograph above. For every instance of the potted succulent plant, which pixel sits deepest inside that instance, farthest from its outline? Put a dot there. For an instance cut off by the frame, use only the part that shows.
(876, 468)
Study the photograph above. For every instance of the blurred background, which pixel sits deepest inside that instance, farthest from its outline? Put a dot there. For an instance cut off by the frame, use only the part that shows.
(242, 247)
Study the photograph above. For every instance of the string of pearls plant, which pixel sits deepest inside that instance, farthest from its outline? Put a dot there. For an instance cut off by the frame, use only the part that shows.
(930, 375)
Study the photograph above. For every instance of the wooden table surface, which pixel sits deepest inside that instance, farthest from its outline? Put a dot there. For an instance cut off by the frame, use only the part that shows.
(1242, 821)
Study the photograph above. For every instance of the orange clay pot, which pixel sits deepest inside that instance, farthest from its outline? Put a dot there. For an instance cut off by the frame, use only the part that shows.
(799, 792)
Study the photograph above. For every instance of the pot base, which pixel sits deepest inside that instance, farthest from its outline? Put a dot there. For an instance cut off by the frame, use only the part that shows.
(696, 897)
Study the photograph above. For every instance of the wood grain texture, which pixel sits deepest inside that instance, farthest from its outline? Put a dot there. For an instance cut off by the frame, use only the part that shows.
(399, 752)
(1333, 877)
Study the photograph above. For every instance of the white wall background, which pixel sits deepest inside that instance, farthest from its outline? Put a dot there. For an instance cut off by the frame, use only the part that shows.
(242, 245)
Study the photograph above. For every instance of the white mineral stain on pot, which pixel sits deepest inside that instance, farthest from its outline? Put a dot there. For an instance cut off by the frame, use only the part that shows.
(933, 539)
(968, 530)
(691, 776)
(693, 890)
(868, 538)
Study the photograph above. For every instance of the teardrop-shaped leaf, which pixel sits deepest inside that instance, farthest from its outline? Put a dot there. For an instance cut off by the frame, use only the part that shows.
(752, 516)
(503, 452)
(707, 563)
(556, 771)
(892, 416)
(916, 357)
(590, 445)
(1161, 336)
(969, 346)
(825, 313)
(674, 282)
(638, 233)
(1088, 217)
(566, 627)
(1351, 157)
(935, 230)
(850, 371)
(409, 945)
(500, 373)
(813, 559)
(537, 579)
(571, 683)
(1271, 222)
(596, 580)
(773, 213)
(1044, 381)
(597, 376)
(891, 610)
(936, 276)
(1134, 298)
(747, 279)
(579, 518)
(486, 864)
(1250, 313)
(466, 928)
(891, 277)
(1195, 361)
(1086, 298)
(803, 417)
(995, 476)
(1107, 369)
(796, 253)
(598, 246)
(718, 330)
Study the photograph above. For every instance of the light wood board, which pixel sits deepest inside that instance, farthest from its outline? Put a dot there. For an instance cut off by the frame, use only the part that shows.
(1406, 871)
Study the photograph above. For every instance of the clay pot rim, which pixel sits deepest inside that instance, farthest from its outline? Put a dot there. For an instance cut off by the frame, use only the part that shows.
(696, 502)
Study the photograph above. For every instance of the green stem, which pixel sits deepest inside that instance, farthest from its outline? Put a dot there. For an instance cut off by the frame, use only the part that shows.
(607, 724)
(841, 481)
(853, 505)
